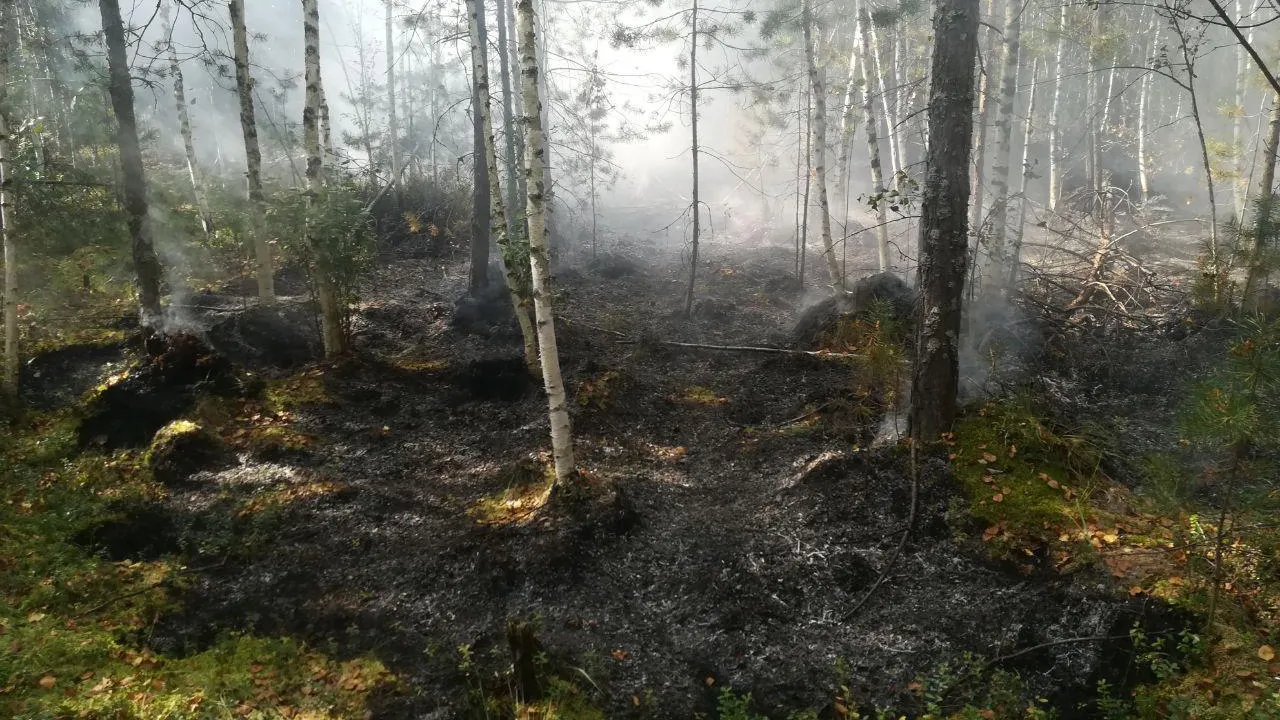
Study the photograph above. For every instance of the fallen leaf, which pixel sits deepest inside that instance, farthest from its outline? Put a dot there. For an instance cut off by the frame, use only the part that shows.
(709, 681)
(989, 457)
(48, 681)
(991, 532)
(635, 700)
(998, 497)
(1110, 537)
(1136, 590)
(1064, 537)
(1013, 450)
(1006, 491)
(620, 655)
(1267, 653)
(35, 617)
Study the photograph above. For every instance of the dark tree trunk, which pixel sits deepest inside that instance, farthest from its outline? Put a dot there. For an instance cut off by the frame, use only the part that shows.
(943, 224)
(145, 263)
(480, 199)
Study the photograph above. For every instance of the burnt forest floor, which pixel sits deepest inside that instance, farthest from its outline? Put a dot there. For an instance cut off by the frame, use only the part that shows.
(374, 526)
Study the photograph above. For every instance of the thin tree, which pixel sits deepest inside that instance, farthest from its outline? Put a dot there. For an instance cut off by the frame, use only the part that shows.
(393, 120)
(517, 286)
(1264, 230)
(820, 146)
(335, 340)
(1055, 163)
(1015, 250)
(997, 252)
(480, 199)
(873, 141)
(539, 248)
(252, 154)
(184, 122)
(513, 145)
(943, 225)
(695, 205)
(9, 376)
(145, 263)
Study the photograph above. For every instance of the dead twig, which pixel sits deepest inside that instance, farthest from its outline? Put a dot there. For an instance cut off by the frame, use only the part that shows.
(745, 348)
(902, 543)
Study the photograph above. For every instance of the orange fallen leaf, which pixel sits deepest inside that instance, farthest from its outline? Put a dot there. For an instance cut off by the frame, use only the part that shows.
(1136, 590)
(989, 457)
(47, 682)
(1267, 653)
(1013, 450)
(709, 681)
(991, 532)
(998, 497)
(620, 655)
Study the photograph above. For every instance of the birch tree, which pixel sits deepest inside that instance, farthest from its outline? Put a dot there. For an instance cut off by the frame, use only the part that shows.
(1055, 167)
(539, 247)
(873, 141)
(480, 199)
(252, 153)
(819, 160)
(393, 120)
(997, 253)
(145, 263)
(9, 375)
(184, 121)
(943, 225)
(335, 341)
(517, 284)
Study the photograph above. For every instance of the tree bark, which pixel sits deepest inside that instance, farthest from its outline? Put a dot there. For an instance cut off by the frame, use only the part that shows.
(944, 235)
(820, 148)
(516, 287)
(335, 340)
(480, 199)
(994, 280)
(886, 104)
(9, 375)
(693, 119)
(873, 142)
(1015, 252)
(252, 154)
(184, 123)
(513, 145)
(539, 251)
(145, 263)
(1264, 229)
(1055, 165)
(393, 118)
(848, 125)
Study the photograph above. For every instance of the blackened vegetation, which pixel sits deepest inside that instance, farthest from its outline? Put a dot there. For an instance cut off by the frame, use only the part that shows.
(880, 292)
(728, 527)
(160, 388)
(270, 337)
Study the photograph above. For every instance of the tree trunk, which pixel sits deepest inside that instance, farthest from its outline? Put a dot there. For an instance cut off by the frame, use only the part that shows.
(802, 240)
(1264, 229)
(513, 146)
(480, 199)
(393, 119)
(873, 142)
(977, 209)
(1015, 252)
(1214, 261)
(693, 117)
(848, 126)
(1144, 108)
(1055, 165)
(516, 286)
(886, 104)
(252, 154)
(539, 252)
(997, 252)
(820, 148)
(944, 235)
(184, 123)
(145, 263)
(335, 340)
(9, 375)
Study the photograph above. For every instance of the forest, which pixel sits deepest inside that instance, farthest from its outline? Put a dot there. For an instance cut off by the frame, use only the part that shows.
(574, 359)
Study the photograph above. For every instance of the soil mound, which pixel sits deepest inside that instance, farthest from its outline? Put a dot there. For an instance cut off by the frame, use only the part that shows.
(183, 448)
(138, 402)
(488, 314)
(276, 337)
(882, 289)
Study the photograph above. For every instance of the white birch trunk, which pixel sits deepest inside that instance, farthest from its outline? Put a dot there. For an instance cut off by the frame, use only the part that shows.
(820, 148)
(848, 124)
(393, 118)
(9, 376)
(516, 288)
(886, 105)
(335, 341)
(997, 252)
(252, 153)
(539, 250)
(184, 121)
(1055, 168)
(1015, 252)
(873, 143)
